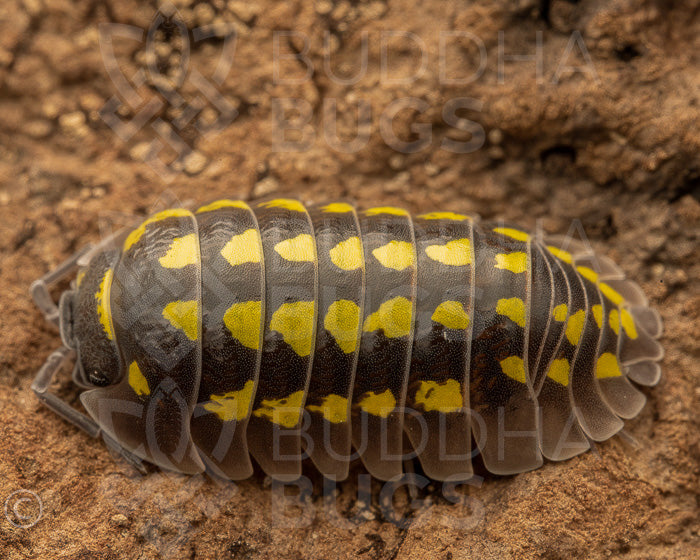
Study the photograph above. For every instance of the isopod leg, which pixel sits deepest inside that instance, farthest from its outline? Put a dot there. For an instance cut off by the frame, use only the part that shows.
(42, 382)
(40, 288)
(128, 456)
(41, 385)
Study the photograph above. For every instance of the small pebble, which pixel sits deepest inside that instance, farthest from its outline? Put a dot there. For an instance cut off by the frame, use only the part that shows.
(163, 50)
(653, 242)
(120, 520)
(6, 57)
(50, 110)
(38, 128)
(324, 7)
(33, 7)
(246, 11)
(208, 116)
(140, 151)
(204, 13)
(73, 123)
(397, 161)
(374, 10)
(195, 162)
(91, 102)
(162, 83)
(367, 515)
(495, 136)
(261, 168)
(398, 183)
(496, 152)
(266, 186)
(341, 10)
(431, 169)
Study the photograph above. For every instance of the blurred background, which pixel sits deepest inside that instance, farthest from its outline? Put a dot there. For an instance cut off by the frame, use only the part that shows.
(542, 112)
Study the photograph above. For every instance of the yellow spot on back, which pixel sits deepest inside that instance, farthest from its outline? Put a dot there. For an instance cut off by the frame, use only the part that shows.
(381, 404)
(136, 234)
(628, 324)
(182, 251)
(338, 207)
(243, 322)
(514, 367)
(395, 254)
(598, 315)
(285, 412)
(615, 321)
(394, 317)
(295, 322)
(343, 322)
(588, 273)
(560, 312)
(443, 397)
(611, 294)
(184, 315)
(347, 254)
(386, 210)
(559, 371)
(560, 254)
(79, 278)
(444, 216)
(607, 366)
(515, 262)
(104, 305)
(512, 233)
(138, 381)
(286, 203)
(574, 326)
(225, 203)
(234, 405)
(453, 253)
(513, 308)
(301, 248)
(334, 408)
(243, 248)
(451, 314)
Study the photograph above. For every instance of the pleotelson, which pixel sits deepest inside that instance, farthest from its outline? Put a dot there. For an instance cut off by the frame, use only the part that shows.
(277, 331)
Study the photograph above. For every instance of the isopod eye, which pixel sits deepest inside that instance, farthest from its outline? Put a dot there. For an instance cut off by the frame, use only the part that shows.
(98, 379)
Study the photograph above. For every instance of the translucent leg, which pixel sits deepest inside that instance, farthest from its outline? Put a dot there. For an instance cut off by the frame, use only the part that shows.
(409, 471)
(40, 293)
(40, 288)
(41, 385)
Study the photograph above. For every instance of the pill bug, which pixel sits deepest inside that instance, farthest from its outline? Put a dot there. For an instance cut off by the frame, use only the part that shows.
(271, 330)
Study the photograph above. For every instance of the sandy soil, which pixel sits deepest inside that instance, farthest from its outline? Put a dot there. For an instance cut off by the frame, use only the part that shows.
(599, 124)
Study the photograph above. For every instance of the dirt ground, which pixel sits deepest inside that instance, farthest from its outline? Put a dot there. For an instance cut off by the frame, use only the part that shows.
(531, 111)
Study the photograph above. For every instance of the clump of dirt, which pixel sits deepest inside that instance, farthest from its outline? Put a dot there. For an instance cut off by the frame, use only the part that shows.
(530, 111)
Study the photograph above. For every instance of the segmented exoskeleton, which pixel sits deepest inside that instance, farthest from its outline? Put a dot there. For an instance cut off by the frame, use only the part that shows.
(272, 329)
